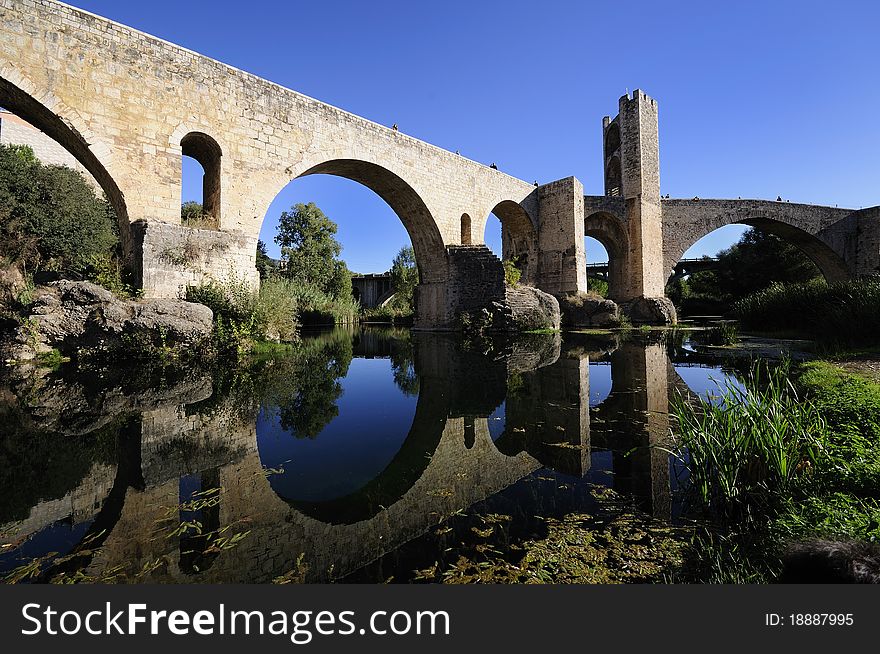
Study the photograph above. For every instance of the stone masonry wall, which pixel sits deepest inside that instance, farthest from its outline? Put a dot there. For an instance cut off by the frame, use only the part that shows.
(124, 100)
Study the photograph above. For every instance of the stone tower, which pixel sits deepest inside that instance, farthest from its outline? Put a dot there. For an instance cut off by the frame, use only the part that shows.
(632, 172)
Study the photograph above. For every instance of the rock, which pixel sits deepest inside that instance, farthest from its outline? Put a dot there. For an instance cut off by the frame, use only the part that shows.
(525, 309)
(588, 310)
(651, 310)
(82, 319)
(12, 284)
(532, 309)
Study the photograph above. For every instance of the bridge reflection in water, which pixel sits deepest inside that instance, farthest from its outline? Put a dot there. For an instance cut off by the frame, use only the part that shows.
(481, 423)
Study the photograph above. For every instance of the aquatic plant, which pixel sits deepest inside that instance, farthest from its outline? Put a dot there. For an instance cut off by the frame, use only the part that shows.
(749, 444)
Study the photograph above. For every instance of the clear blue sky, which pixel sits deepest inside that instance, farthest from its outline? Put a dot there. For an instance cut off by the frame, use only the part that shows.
(757, 99)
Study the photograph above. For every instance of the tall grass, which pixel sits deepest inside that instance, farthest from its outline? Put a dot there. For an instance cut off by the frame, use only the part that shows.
(842, 313)
(317, 307)
(745, 448)
(243, 316)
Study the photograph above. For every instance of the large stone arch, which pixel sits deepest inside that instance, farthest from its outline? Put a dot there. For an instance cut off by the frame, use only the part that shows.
(824, 234)
(608, 229)
(519, 238)
(52, 117)
(403, 199)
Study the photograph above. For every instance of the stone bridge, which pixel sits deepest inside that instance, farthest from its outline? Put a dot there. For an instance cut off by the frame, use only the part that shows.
(128, 106)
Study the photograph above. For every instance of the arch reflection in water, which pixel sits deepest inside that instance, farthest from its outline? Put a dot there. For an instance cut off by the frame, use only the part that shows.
(380, 437)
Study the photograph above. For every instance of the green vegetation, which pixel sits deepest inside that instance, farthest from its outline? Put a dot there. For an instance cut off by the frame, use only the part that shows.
(389, 313)
(597, 286)
(311, 252)
(243, 317)
(193, 215)
(264, 264)
(753, 263)
(724, 333)
(404, 279)
(321, 282)
(781, 462)
(512, 274)
(839, 314)
(745, 448)
(51, 220)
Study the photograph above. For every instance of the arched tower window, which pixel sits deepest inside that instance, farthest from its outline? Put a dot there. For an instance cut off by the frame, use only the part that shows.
(206, 151)
(611, 141)
(465, 229)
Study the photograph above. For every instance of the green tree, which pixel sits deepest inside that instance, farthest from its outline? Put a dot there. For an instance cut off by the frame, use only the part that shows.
(265, 265)
(757, 260)
(191, 211)
(753, 263)
(50, 216)
(308, 244)
(404, 277)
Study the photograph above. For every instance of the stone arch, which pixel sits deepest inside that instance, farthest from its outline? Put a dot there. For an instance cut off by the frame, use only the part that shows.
(61, 123)
(466, 237)
(519, 239)
(208, 153)
(612, 140)
(829, 262)
(609, 231)
(403, 199)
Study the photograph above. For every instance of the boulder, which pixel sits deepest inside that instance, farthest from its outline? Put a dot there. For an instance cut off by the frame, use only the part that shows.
(588, 310)
(523, 308)
(82, 319)
(651, 311)
(526, 309)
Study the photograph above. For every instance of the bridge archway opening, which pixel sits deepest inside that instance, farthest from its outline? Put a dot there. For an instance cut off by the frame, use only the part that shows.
(740, 258)
(597, 265)
(510, 227)
(63, 127)
(376, 211)
(200, 176)
(604, 232)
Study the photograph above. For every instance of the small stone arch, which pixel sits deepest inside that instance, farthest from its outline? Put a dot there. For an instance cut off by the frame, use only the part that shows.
(466, 238)
(612, 140)
(607, 228)
(208, 153)
(613, 178)
(519, 239)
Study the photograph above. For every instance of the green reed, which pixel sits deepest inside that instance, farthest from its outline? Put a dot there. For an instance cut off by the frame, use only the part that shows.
(744, 447)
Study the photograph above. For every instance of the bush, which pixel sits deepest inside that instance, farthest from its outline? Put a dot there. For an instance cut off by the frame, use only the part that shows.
(243, 317)
(842, 313)
(317, 307)
(512, 274)
(50, 217)
(389, 313)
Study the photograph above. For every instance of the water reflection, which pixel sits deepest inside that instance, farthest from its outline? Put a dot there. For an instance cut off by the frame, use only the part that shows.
(335, 456)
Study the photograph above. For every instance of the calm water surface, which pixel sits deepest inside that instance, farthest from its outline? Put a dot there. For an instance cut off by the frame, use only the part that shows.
(364, 455)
